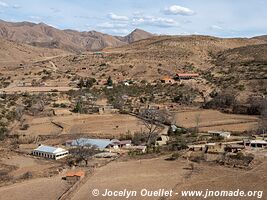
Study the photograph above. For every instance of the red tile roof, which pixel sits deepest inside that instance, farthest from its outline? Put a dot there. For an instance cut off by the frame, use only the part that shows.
(71, 174)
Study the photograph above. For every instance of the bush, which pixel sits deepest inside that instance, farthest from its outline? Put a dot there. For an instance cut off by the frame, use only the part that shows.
(26, 175)
(3, 132)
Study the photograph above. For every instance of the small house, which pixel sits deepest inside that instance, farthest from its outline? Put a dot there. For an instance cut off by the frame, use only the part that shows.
(255, 144)
(162, 140)
(122, 143)
(74, 176)
(222, 134)
(234, 148)
(196, 147)
(167, 79)
(50, 152)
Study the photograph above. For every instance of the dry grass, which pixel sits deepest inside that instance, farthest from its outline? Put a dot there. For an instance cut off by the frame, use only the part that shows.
(41, 189)
(92, 125)
(215, 120)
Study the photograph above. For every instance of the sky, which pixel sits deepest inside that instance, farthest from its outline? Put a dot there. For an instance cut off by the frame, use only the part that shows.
(222, 18)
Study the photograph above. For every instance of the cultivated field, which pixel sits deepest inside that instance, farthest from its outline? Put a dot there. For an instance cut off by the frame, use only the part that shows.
(93, 125)
(11, 90)
(215, 120)
(24, 164)
(41, 189)
(133, 175)
(219, 178)
(154, 174)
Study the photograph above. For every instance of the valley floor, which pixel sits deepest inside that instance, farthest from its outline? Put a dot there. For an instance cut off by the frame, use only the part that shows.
(152, 174)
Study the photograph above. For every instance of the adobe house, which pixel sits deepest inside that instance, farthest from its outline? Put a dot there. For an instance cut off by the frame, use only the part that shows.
(167, 79)
(74, 176)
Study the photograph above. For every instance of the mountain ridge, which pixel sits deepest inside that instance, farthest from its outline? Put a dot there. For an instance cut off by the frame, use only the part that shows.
(43, 35)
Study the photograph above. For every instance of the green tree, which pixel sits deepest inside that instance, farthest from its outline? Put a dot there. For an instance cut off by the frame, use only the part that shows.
(3, 132)
(109, 81)
(78, 107)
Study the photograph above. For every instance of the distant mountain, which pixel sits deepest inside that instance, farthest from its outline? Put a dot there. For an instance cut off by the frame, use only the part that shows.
(136, 35)
(47, 36)
(262, 37)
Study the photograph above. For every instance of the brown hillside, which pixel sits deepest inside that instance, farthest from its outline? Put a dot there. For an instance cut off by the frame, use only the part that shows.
(12, 52)
(48, 36)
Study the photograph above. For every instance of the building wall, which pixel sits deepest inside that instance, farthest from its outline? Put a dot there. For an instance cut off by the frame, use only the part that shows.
(50, 155)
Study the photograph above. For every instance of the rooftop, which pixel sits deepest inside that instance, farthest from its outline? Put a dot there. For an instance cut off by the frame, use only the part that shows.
(99, 143)
(79, 173)
(49, 149)
(258, 142)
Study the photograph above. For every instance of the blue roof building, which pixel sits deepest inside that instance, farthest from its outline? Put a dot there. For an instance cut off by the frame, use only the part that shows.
(98, 143)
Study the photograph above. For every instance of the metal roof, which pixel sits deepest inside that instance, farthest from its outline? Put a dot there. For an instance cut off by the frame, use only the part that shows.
(99, 143)
(258, 142)
(49, 149)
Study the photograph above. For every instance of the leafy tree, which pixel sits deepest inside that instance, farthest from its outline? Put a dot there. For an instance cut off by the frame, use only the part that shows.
(78, 107)
(153, 120)
(3, 132)
(83, 152)
(109, 81)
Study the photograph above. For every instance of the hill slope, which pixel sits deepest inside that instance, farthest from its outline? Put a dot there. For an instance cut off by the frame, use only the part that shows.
(153, 58)
(12, 52)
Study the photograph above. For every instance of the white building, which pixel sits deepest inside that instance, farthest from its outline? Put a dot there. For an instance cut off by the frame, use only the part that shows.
(255, 144)
(220, 133)
(50, 152)
(162, 140)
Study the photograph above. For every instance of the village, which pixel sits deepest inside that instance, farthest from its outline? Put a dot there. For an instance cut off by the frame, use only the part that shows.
(71, 133)
(100, 98)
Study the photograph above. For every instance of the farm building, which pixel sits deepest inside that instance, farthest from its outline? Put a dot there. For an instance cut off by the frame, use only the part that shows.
(99, 143)
(167, 79)
(255, 144)
(50, 152)
(74, 176)
(196, 147)
(107, 109)
(180, 76)
(122, 143)
(234, 148)
(220, 134)
(162, 140)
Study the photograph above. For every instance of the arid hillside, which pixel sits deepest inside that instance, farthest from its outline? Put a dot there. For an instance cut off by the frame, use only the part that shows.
(44, 35)
(13, 52)
(235, 63)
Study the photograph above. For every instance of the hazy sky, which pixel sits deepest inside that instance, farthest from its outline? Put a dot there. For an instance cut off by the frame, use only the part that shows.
(225, 18)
